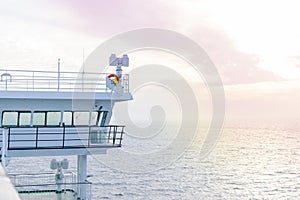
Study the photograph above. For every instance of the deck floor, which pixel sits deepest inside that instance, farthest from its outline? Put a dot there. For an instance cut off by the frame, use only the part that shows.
(68, 195)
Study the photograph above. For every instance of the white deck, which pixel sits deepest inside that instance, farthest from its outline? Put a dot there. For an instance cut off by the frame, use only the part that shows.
(7, 189)
(50, 195)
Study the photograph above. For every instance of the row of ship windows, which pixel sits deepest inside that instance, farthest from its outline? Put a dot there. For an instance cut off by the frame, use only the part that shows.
(53, 118)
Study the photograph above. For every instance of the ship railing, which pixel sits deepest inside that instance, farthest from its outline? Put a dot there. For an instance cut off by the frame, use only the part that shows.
(43, 185)
(25, 80)
(22, 138)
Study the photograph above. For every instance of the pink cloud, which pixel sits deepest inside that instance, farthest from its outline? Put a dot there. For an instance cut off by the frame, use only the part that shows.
(110, 17)
(236, 67)
(106, 18)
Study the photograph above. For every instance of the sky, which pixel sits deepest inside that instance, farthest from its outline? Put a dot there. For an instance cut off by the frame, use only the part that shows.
(255, 44)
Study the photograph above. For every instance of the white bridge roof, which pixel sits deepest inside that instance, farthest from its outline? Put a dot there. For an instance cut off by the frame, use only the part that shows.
(24, 80)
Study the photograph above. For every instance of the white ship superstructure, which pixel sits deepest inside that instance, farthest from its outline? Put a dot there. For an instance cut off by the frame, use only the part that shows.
(43, 113)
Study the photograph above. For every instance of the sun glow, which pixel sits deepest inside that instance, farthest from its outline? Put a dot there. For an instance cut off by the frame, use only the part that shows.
(267, 29)
(283, 66)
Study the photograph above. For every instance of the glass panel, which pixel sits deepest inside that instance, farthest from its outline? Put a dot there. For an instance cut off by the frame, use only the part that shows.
(24, 119)
(10, 119)
(67, 118)
(94, 116)
(100, 118)
(53, 118)
(39, 119)
(103, 118)
(81, 118)
(98, 136)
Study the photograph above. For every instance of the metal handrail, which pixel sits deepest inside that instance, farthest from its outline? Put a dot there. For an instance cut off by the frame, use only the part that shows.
(27, 80)
(64, 137)
(45, 183)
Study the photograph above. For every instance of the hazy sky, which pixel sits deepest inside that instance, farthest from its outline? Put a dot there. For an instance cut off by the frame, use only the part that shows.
(254, 44)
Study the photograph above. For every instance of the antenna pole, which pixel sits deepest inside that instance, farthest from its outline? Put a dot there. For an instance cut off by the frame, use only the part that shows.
(83, 60)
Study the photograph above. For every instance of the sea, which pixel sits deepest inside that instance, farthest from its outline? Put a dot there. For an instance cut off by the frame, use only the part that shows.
(246, 163)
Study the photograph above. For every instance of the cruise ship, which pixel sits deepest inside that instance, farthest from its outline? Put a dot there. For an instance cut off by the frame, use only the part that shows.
(46, 113)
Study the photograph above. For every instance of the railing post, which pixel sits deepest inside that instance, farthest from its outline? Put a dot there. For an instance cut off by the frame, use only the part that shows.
(58, 75)
(121, 136)
(127, 82)
(64, 135)
(4, 146)
(108, 138)
(36, 137)
(89, 137)
(114, 135)
(32, 81)
(8, 140)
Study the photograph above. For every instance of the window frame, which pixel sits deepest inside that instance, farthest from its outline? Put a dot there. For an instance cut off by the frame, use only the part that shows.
(9, 111)
(30, 121)
(47, 117)
(72, 118)
(45, 120)
(100, 119)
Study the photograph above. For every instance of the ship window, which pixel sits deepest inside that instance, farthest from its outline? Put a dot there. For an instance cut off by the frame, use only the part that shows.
(39, 118)
(81, 118)
(53, 118)
(94, 116)
(24, 118)
(67, 118)
(10, 119)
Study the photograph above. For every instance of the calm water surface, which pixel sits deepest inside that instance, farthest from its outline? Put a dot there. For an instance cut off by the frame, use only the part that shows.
(245, 164)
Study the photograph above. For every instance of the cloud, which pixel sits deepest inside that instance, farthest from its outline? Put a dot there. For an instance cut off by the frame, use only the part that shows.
(296, 60)
(236, 67)
(111, 17)
(37, 33)
(105, 18)
(114, 16)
